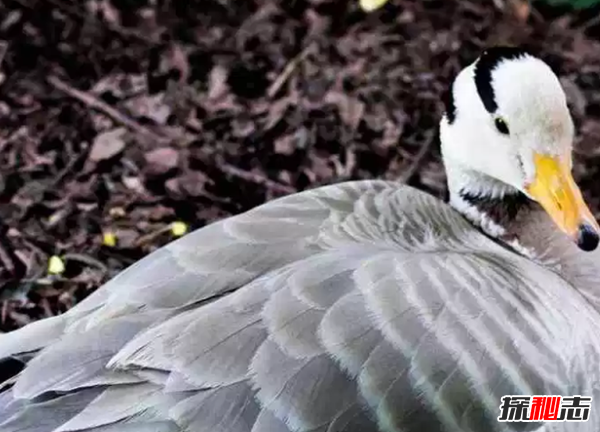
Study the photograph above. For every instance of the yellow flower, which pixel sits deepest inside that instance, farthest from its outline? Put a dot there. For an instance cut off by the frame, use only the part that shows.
(109, 239)
(371, 5)
(56, 265)
(179, 228)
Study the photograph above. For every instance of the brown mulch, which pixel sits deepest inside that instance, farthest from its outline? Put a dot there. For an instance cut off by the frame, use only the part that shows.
(121, 116)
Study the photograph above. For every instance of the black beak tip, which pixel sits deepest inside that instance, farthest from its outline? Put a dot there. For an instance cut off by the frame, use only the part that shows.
(587, 238)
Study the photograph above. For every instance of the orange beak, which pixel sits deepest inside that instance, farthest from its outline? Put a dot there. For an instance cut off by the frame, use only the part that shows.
(555, 190)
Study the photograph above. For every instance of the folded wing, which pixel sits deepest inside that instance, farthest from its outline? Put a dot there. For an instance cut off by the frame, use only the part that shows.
(365, 306)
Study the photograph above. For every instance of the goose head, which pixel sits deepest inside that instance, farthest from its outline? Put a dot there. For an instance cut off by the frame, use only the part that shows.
(507, 139)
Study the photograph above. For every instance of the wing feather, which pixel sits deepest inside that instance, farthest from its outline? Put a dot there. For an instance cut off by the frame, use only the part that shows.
(299, 391)
(32, 337)
(325, 278)
(293, 324)
(268, 422)
(229, 408)
(454, 328)
(48, 415)
(142, 403)
(152, 349)
(348, 332)
(78, 359)
(165, 426)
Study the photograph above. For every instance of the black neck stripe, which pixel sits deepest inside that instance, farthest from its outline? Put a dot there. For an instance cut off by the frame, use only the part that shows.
(502, 210)
(486, 63)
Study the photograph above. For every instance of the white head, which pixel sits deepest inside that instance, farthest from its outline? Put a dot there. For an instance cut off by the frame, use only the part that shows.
(508, 131)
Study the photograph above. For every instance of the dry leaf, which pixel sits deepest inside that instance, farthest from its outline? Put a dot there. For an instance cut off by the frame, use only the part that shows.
(162, 160)
(153, 107)
(108, 144)
(217, 82)
(350, 108)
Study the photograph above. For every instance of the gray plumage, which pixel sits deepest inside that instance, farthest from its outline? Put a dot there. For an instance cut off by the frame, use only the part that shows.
(364, 306)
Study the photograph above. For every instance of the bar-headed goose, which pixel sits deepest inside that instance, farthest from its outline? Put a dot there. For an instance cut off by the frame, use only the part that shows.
(364, 306)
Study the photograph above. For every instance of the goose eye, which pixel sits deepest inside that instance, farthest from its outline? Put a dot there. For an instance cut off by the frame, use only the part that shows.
(501, 125)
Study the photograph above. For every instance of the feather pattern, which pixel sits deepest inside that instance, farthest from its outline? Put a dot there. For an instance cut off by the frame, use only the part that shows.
(32, 337)
(349, 334)
(268, 422)
(299, 391)
(50, 414)
(77, 359)
(293, 324)
(364, 306)
(230, 408)
(143, 403)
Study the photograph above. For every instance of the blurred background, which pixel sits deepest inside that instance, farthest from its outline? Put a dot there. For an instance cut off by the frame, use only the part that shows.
(124, 124)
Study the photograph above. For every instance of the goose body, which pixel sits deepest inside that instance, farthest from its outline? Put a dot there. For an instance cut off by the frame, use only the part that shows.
(363, 306)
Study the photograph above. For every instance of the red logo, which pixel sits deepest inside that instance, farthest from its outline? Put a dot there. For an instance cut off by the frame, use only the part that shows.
(516, 408)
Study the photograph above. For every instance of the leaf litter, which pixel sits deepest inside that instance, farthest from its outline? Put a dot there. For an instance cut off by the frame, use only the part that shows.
(126, 124)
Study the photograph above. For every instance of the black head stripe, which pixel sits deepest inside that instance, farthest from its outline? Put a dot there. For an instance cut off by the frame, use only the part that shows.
(483, 72)
(449, 102)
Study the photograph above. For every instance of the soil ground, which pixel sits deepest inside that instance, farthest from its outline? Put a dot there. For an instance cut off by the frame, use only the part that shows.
(123, 116)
